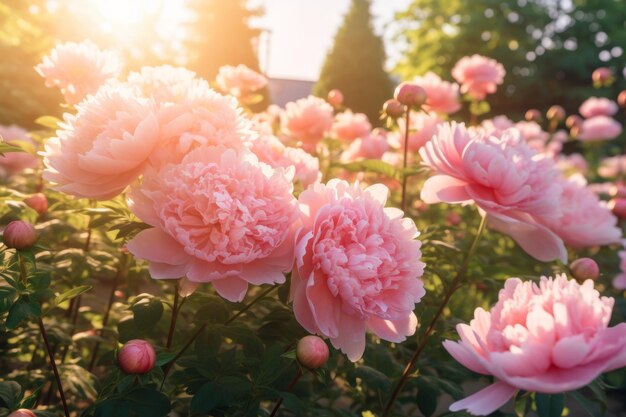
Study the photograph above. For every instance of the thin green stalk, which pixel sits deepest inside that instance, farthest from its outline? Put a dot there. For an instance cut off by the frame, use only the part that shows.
(175, 310)
(292, 384)
(461, 272)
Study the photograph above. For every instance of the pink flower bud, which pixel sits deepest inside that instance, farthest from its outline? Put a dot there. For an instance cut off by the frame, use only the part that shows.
(618, 207)
(335, 98)
(584, 268)
(618, 190)
(573, 121)
(621, 99)
(312, 352)
(410, 94)
(453, 218)
(37, 202)
(19, 235)
(136, 357)
(602, 77)
(393, 108)
(22, 412)
(533, 115)
(556, 113)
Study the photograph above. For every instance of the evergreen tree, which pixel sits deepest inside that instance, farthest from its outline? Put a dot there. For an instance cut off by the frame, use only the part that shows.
(220, 35)
(355, 64)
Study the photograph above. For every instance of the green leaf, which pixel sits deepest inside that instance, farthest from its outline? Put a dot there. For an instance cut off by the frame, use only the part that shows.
(74, 292)
(48, 121)
(206, 398)
(479, 108)
(427, 399)
(590, 406)
(21, 310)
(136, 403)
(373, 378)
(147, 312)
(549, 405)
(522, 404)
(10, 394)
(6, 148)
(371, 165)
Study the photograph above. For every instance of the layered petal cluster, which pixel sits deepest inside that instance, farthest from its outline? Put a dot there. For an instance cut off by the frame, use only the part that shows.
(547, 337)
(239, 81)
(599, 128)
(349, 126)
(357, 266)
(612, 167)
(423, 126)
(164, 83)
(478, 75)
(15, 162)
(515, 186)
(219, 216)
(105, 146)
(78, 69)
(308, 120)
(372, 146)
(598, 106)
(442, 96)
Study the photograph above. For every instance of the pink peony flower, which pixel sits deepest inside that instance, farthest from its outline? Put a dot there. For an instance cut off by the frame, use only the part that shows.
(220, 216)
(357, 267)
(573, 163)
(104, 147)
(547, 337)
(612, 167)
(423, 126)
(372, 146)
(349, 126)
(137, 357)
(514, 186)
(598, 106)
(164, 83)
(586, 221)
(478, 75)
(442, 96)
(239, 81)
(14, 162)
(619, 282)
(599, 128)
(497, 125)
(308, 120)
(78, 69)
(203, 117)
(536, 138)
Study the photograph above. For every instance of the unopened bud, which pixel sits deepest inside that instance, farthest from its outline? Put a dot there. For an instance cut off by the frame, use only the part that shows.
(136, 357)
(618, 207)
(584, 268)
(410, 94)
(37, 202)
(602, 77)
(19, 235)
(621, 99)
(573, 121)
(335, 98)
(533, 115)
(393, 108)
(556, 113)
(22, 412)
(312, 352)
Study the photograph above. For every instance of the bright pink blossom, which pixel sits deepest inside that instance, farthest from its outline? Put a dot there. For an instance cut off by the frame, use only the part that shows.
(598, 106)
(105, 146)
(547, 337)
(357, 267)
(14, 162)
(514, 186)
(478, 75)
(307, 120)
(599, 128)
(78, 69)
(442, 96)
(239, 81)
(349, 126)
(219, 216)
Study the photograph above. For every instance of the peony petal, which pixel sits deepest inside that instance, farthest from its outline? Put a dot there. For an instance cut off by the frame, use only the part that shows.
(232, 288)
(570, 351)
(156, 245)
(442, 188)
(351, 337)
(487, 400)
(466, 356)
(393, 330)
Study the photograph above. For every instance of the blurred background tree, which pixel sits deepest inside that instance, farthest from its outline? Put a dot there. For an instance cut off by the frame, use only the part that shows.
(355, 64)
(548, 47)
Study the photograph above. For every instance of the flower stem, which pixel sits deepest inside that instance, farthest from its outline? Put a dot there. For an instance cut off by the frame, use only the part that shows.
(292, 384)
(105, 319)
(175, 310)
(451, 289)
(405, 158)
(42, 329)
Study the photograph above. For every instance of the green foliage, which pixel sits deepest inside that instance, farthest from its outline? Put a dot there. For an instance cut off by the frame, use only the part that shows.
(355, 64)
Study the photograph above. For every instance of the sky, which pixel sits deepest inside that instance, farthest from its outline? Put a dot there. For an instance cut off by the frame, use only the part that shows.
(300, 33)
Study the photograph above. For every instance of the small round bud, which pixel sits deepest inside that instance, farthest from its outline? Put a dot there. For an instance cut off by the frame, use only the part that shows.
(618, 190)
(584, 268)
(533, 115)
(618, 207)
(37, 202)
(621, 99)
(312, 352)
(335, 98)
(22, 412)
(453, 218)
(410, 94)
(602, 77)
(556, 113)
(573, 121)
(19, 235)
(393, 108)
(136, 357)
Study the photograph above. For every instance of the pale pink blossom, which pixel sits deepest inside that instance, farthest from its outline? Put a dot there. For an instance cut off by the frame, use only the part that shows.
(219, 216)
(612, 167)
(585, 221)
(497, 125)
(371, 146)
(164, 83)
(307, 120)
(239, 81)
(478, 75)
(349, 126)
(202, 117)
(598, 106)
(357, 267)
(14, 162)
(78, 69)
(105, 146)
(573, 163)
(442, 96)
(619, 282)
(536, 138)
(548, 337)
(422, 127)
(516, 187)
(599, 128)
